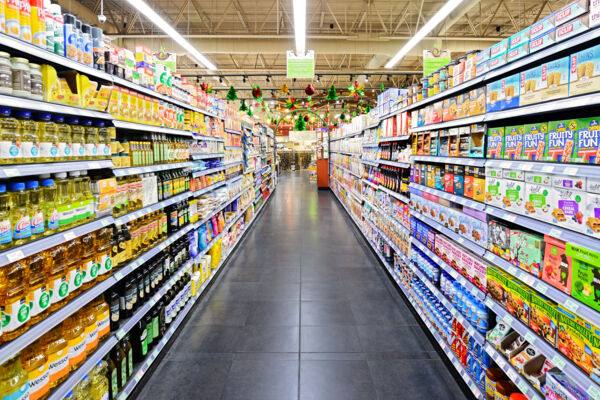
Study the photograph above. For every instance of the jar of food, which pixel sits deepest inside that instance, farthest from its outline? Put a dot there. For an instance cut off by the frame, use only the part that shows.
(21, 77)
(436, 88)
(37, 89)
(435, 77)
(443, 73)
(5, 73)
(425, 82)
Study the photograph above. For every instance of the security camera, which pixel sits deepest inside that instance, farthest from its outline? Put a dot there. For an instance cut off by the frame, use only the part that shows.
(102, 18)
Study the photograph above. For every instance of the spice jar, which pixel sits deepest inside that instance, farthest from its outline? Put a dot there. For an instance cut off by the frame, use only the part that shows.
(5, 73)
(21, 77)
(37, 89)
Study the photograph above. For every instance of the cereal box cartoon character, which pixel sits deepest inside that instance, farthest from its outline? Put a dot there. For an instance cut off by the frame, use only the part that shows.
(587, 149)
(560, 140)
(513, 142)
(534, 141)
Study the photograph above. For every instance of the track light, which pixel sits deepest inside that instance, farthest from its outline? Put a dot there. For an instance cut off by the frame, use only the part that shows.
(244, 79)
(294, 79)
(388, 78)
(367, 78)
(318, 78)
(351, 78)
(268, 78)
(220, 79)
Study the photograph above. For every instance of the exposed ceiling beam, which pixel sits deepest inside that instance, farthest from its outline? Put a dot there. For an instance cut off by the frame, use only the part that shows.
(456, 16)
(202, 14)
(180, 14)
(75, 7)
(334, 18)
(131, 23)
(512, 19)
(240, 13)
(223, 16)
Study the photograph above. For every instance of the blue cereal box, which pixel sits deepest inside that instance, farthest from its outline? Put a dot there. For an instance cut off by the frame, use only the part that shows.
(555, 78)
(503, 94)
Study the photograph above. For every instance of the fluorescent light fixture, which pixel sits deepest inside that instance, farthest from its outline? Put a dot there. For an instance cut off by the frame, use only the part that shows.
(424, 31)
(168, 29)
(300, 26)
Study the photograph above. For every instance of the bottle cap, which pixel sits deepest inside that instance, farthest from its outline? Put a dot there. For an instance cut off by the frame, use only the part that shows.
(24, 114)
(73, 121)
(85, 28)
(5, 112)
(47, 182)
(58, 118)
(45, 116)
(2, 188)
(14, 186)
(32, 185)
(96, 32)
(86, 122)
(60, 175)
(44, 176)
(100, 124)
(69, 19)
(74, 174)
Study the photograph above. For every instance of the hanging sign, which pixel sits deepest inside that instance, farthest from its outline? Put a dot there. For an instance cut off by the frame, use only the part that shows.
(434, 60)
(301, 66)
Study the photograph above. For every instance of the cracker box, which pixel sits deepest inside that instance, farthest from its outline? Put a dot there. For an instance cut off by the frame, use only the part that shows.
(542, 41)
(557, 264)
(518, 52)
(572, 28)
(592, 213)
(585, 71)
(541, 27)
(587, 145)
(496, 285)
(586, 275)
(531, 86)
(478, 231)
(495, 142)
(560, 141)
(456, 258)
(538, 201)
(543, 317)
(513, 142)
(534, 141)
(570, 11)
(527, 251)
(568, 206)
(513, 196)
(576, 339)
(555, 79)
(499, 239)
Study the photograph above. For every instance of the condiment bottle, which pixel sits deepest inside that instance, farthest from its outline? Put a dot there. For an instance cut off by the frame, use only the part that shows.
(103, 253)
(65, 141)
(19, 207)
(36, 213)
(75, 334)
(49, 208)
(30, 140)
(49, 142)
(102, 317)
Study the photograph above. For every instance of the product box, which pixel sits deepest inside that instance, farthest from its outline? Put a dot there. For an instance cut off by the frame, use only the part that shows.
(494, 187)
(480, 69)
(568, 206)
(538, 201)
(477, 101)
(494, 95)
(518, 39)
(572, 28)
(456, 260)
(479, 274)
(479, 184)
(513, 142)
(560, 387)
(495, 142)
(497, 61)
(557, 264)
(594, 18)
(499, 48)
(586, 275)
(542, 41)
(577, 339)
(513, 195)
(531, 86)
(459, 180)
(499, 239)
(527, 251)
(587, 145)
(542, 27)
(560, 140)
(555, 79)
(442, 248)
(449, 109)
(468, 182)
(570, 11)
(585, 71)
(543, 318)
(592, 212)
(518, 52)
(496, 285)
(534, 141)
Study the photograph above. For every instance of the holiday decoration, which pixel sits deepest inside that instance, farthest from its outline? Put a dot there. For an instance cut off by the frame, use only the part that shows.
(243, 107)
(291, 103)
(257, 92)
(285, 89)
(382, 88)
(342, 116)
(310, 90)
(332, 94)
(356, 90)
(231, 94)
(306, 118)
(249, 112)
(367, 108)
(205, 88)
(300, 125)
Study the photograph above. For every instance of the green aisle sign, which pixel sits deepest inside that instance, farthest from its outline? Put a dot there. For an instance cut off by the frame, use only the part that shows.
(301, 67)
(434, 60)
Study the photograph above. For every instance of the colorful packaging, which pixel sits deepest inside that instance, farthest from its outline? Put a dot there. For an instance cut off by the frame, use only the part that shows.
(531, 86)
(585, 71)
(560, 387)
(555, 79)
(518, 299)
(543, 318)
(557, 264)
(542, 41)
(518, 52)
(494, 187)
(568, 202)
(560, 141)
(534, 141)
(499, 239)
(572, 28)
(587, 145)
(514, 191)
(499, 48)
(577, 340)
(513, 142)
(586, 275)
(527, 251)
(495, 142)
(496, 285)
(592, 212)
(538, 200)
(541, 27)
(497, 62)
(478, 184)
(518, 39)
(570, 11)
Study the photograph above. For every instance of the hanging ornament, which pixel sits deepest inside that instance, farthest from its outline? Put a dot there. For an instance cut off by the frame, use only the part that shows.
(285, 89)
(300, 125)
(382, 88)
(342, 116)
(306, 118)
(257, 92)
(356, 90)
(231, 94)
(310, 90)
(249, 112)
(243, 107)
(205, 88)
(291, 103)
(332, 94)
(367, 108)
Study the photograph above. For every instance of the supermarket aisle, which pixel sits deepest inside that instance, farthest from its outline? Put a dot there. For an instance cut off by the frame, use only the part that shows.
(303, 310)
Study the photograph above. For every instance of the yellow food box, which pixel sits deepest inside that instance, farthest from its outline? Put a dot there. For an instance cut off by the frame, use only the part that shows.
(104, 191)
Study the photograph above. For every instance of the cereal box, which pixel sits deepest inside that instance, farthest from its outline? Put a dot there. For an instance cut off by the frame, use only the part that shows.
(456, 258)
(557, 264)
(587, 146)
(531, 86)
(555, 79)
(570, 11)
(534, 141)
(442, 248)
(496, 285)
(572, 28)
(495, 142)
(538, 201)
(543, 318)
(576, 339)
(513, 142)
(585, 71)
(560, 140)
(527, 251)
(586, 275)
(567, 207)
(499, 239)
(479, 231)
(541, 27)
(542, 41)
(592, 212)
(518, 52)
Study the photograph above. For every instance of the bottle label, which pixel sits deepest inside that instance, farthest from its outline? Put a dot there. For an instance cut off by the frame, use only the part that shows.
(5, 231)
(75, 279)
(52, 218)
(37, 222)
(91, 336)
(124, 371)
(105, 264)
(144, 339)
(65, 150)
(10, 150)
(78, 150)
(103, 324)
(60, 290)
(155, 327)
(48, 150)
(14, 315)
(90, 271)
(77, 349)
(65, 214)
(114, 383)
(21, 393)
(40, 301)
(105, 149)
(30, 149)
(130, 360)
(22, 227)
(39, 382)
(91, 150)
(58, 364)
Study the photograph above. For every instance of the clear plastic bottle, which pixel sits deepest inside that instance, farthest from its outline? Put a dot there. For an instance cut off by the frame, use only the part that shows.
(14, 383)
(103, 253)
(57, 350)
(102, 317)
(74, 332)
(6, 233)
(10, 138)
(103, 140)
(77, 197)
(19, 207)
(99, 382)
(88, 197)
(36, 213)
(57, 276)
(30, 139)
(49, 208)
(65, 139)
(90, 325)
(39, 291)
(78, 138)
(14, 288)
(74, 272)
(35, 363)
(89, 261)
(63, 201)
(49, 142)
(91, 139)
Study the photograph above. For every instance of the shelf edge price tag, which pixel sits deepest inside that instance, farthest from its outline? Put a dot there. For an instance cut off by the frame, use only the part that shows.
(571, 305)
(530, 337)
(522, 386)
(594, 392)
(70, 236)
(512, 375)
(555, 232)
(11, 172)
(558, 361)
(508, 319)
(15, 256)
(541, 287)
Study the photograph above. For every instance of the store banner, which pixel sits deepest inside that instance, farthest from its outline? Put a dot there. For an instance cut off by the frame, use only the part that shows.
(302, 136)
(301, 66)
(434, 60)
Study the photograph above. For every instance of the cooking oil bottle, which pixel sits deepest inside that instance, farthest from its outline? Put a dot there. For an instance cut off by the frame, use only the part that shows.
(10, 138)
(6, 232)
(30, 140)
(103, 140)
(39, 291)
(102, 310)
(13, 297)
(90, 325)
(19, 207)
(103, 253)
(81, 391)
(89, 263)
(120, 361)
(36, 213)
(85, 187)
(99, 383)
(91, 139)
(75, 190)
(48, 204)
(56, 348)
(14, 383)
(64, 201)
(35, 363)
(112, 374)
(74, 333)
(78, 138)
(73, 263)
(58, 276)
(128, 351)
(48, 138)
(65, 140)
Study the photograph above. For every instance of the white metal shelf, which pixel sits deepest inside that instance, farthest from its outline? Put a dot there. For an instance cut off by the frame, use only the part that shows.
(55, 108)
(151, 208)
(373, 125)
(373, 163)
(203, 172)
(393, 139)
(134, 126)
(346, 152)
(591, 171)
(397, 195)
(476, 162)
(465, 201)
(449, 124)
(233, 164)
(395, 163)
(209, 188)
(347, 136)
(209, 138)
(205, 156)
(347, 170)
(151, 168)
(232, 131)
(16, 170)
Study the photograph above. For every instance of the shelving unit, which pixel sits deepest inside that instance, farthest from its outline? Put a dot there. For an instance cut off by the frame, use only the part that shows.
(15, 171)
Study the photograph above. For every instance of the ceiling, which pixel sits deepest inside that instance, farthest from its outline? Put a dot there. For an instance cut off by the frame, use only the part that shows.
(348, 36)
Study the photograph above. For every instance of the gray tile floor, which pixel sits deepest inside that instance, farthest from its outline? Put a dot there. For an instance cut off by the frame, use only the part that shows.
(302, 311)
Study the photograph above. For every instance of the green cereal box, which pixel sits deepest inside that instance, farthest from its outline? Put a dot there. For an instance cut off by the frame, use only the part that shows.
(496, 284)
(587, 145)
(518, 299)
(513, 142)
(586, 275)
(577, 339)
(495, 142)
(560, 140)
(534, 141)
(543, 318)
(585, 71)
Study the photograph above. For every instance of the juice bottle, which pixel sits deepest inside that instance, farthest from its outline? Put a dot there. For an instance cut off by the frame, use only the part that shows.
(19, 210)
(38, 23)
(65, 140)
(55, 347)
(30, 140)
(91, 139)
(48, 137)
(102, 316)
(63, 201)
(90, 325)
(14, 383)
(35, 363)
(13, 299)
(49, 208)
(73, 264)
(103, 140)
(77, 137)
(103, 253)
(74, 333)
(75, 191)
(89, 262)
(88, 197)
(10, 138)
(39, 292)
(57, 276)
(36, 213)
(99, 383)
(6, 233)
